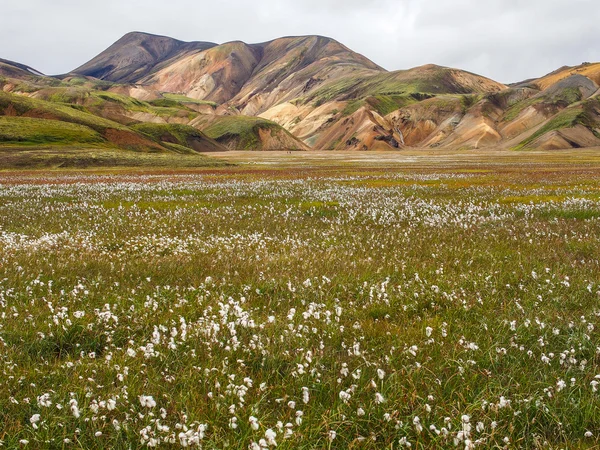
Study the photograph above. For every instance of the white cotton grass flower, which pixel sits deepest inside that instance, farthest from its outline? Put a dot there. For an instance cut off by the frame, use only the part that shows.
(44, 401)
(403, 442)
(380, 374)
(379, 399)
(74, 408)
(34, 421)
(417, 424)
(270, 436)
(253, 423)
(332, 435)
(305, 395)
(147, 401)
(345, 396)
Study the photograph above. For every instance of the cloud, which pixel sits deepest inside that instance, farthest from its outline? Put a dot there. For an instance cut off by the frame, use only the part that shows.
(507, 40)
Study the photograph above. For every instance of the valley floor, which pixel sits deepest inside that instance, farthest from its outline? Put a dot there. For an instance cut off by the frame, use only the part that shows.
(410, 157)
(308, 300)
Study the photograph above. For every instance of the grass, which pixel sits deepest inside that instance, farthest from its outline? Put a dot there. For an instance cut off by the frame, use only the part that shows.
(565, 119)
(26, 131)
(178, 98)
(181, 136)
(23, 105)
(513, 111)
(178, 133)
(353, 306)
(243, 130)
(82, 156)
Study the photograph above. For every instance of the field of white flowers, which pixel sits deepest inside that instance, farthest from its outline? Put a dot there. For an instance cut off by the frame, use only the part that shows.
(376, 310)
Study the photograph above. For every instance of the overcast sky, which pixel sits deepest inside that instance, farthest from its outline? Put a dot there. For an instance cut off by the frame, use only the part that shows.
(507, 40)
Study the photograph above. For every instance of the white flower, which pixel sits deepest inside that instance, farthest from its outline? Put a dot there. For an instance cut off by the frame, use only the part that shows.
(379, 398)
(34, 420)
(332, 435)
(74, 408)
(560, 385)
(428, 331)
(270, 437)
(345, 396)
(403, 442)
(44, 401)
(147, 401)
(253, 423)
(503, 403)
(417, 424)
(380, 374)
(305, 395)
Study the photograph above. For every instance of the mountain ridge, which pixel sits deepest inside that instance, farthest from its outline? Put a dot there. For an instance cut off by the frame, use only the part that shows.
(304, 92)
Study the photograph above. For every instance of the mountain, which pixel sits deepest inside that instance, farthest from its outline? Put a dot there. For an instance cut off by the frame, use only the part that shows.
(137, 54)
(16, 70)
(295, 93)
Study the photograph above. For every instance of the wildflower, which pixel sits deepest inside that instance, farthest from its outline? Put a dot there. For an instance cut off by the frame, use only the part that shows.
(379, 398)
(332, 435)
(305, 395)
(403, 442)
(147, 401)
(345, 396)
(74, 408)
(417, 424)
(44, 401)
(34, 420)
(253, 423)
(270, 437)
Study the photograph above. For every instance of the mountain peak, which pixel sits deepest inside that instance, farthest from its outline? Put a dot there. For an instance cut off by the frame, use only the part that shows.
(135, 54)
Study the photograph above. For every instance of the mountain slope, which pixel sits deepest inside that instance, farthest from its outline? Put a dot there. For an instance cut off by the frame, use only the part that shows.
(297, 93)
(16, 70)
(135, 55)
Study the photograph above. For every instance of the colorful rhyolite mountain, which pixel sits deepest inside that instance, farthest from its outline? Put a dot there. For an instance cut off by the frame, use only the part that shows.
(298, 93)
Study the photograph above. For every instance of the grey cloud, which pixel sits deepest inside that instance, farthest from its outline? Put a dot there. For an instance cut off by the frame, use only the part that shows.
(507, 40)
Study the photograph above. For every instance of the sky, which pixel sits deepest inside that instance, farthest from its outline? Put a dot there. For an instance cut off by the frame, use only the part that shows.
(507, 40)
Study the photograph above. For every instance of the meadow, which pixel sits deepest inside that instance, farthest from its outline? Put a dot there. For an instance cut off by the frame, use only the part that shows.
(311, 306)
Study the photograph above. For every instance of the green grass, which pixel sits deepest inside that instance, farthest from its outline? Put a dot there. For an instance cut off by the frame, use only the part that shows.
(178, 137)
(181, 134)
(565, 119)
(244, 130)
(66, 113)
(90, 156)
(25, 131)
(513, 112)
(464, 294)
(178, 98)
